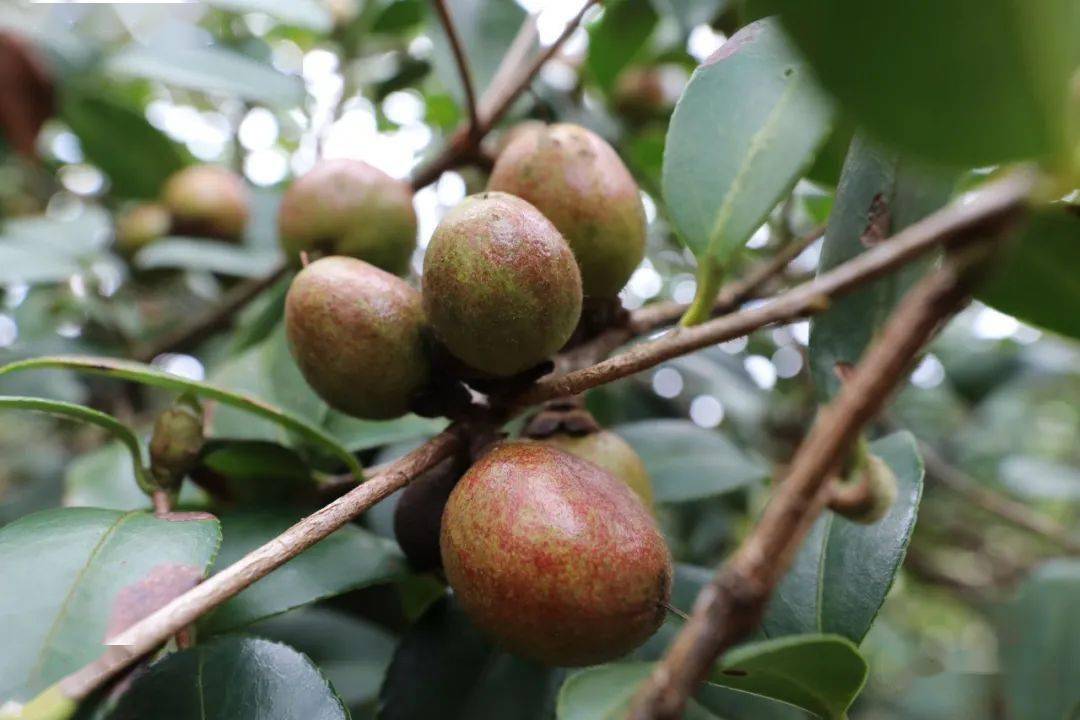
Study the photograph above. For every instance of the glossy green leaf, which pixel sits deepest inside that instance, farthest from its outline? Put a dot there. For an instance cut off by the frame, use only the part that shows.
(351, 653)
(148, 375)
(1036, 277)
(971, 82)
(1039, 632)
(843, 571)
(445, 668)
(232, 678)
(117, 138)
(208, 256)
(487, 29)
(348, 559)
(617, 38)
(309, 14)
(210, 70)
(747, 126)
(73, 576)
(879, 194)
(819, 673)
(605, 692)
(687, 462)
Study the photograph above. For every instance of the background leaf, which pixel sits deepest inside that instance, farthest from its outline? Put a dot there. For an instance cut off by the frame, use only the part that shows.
(231, 679)
(207, 255)
(308, 14)
(617, 38)
(77, 570)
(843, 571)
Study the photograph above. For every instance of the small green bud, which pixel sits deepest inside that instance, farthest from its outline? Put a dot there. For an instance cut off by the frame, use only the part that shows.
(176, 443)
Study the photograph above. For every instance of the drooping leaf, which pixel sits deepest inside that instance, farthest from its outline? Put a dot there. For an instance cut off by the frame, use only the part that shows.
(118, 139)
(1040, 644)
(605, 692)
(970, 82)
(1035, 278)
(445, 668)
(210, 70)
(687, 462)
(148, 375)
(843, 571)
(308, 14)
(747, 126)
(232, 678)
(208, 256)
(617, 38)
(880, 193)
(351, 653)
(73, 576)
(348, 559)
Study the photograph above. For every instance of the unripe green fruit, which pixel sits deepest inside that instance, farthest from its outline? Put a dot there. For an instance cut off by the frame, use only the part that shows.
(418, 515)
(176, 443)
(579, 183)
(610, 452)
(207, 201)
(553, 557)
(141, 225)
(501, 288)
(356, 334)
(347, 207)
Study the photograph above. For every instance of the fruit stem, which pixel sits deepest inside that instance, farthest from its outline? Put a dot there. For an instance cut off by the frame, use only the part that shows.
(709, 277)
(675, 611)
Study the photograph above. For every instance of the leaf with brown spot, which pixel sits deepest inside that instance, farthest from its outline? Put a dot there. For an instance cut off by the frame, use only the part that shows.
(161, 584)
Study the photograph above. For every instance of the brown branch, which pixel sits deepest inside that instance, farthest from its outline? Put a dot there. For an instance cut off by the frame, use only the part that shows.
(463, 145)
(996, 203)
(462, 63)
(1007, 509)
(213, 320)
(150, 632)
(731, 606)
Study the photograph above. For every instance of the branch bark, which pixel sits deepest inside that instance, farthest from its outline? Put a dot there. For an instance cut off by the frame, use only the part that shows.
(995, 204)
(731, 606)
(462, 63)
(150, 632)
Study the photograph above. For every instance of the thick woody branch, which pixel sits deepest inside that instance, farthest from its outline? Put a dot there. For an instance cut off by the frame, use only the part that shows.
(995, 204)
(731, 606)
(150, 632)
(462, 63)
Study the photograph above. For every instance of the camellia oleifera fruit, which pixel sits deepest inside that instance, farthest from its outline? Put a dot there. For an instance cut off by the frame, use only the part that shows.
(207, 201)
(140, 225)
(501, 289)
(612, 453)
(347, 207)
(356, 334)
(553, 557)
(579, 183)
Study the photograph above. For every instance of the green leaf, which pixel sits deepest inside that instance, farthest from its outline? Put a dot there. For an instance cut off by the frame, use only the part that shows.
(40, 249)
(352, 653)
(879, 194)
(232, 678)
(747, 126)
(206, 255)
(617, 38)
(819, 673)
(308, 14)
(605, 692)
(1039, 634)
(1035, 278)
(148, 375)
(116, 137)
(74, 576)
(358, 435)
(398, 16)
(444, 668)
(843, 571)
(691, 13)
(970, 82)
(348, 559)
(251, 472)
(117, 429)
(687, 462)
(210, 70)
(487, 29)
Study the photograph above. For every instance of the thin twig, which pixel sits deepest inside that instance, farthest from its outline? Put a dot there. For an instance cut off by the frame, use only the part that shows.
(731, 606)
(214, 319)
(995, 203)
(462, 63)
(150, 632)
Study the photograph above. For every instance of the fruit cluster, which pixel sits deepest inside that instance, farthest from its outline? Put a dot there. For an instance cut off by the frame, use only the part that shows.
(549, 544)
